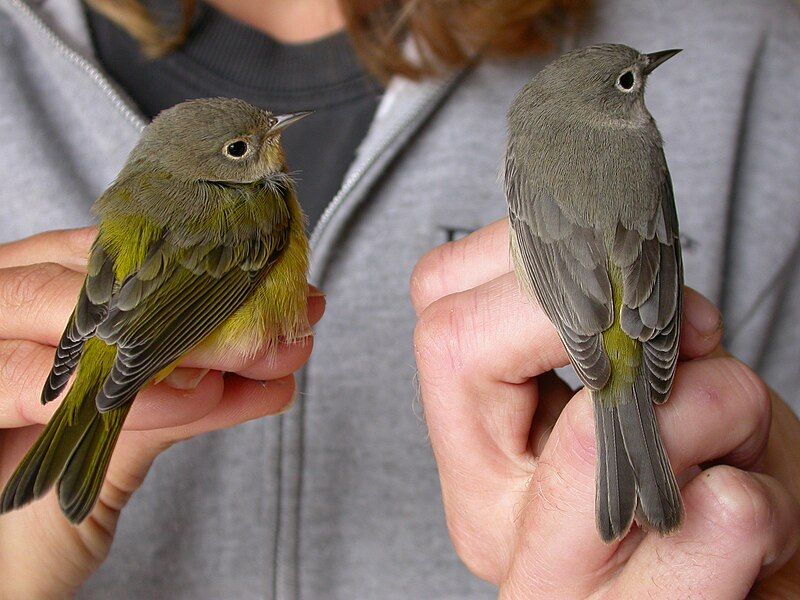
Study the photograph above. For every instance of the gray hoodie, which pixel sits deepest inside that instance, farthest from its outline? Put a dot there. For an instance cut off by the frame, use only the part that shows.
(339, 498)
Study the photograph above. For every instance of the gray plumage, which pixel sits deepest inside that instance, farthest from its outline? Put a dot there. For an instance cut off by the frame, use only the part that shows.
(595, 237)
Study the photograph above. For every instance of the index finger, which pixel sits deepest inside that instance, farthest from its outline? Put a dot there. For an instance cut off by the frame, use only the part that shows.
(460, 265)
(67, 247)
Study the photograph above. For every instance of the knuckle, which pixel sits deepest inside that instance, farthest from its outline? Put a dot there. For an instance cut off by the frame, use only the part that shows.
(741, 505)
(427, 277)
(21, 286)
(440, 336)
(16, 359)
(753, 390)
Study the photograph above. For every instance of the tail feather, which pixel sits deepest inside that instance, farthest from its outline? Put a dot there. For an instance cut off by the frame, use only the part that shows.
(639, 466)
(616, 484)
(80, 484)
(20, 486)
(72, 425)
(75, 447)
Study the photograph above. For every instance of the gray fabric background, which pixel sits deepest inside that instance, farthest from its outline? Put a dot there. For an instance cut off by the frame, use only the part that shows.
(339, 498)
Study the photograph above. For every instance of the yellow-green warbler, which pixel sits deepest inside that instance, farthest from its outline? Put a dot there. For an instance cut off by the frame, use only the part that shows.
(201, 241)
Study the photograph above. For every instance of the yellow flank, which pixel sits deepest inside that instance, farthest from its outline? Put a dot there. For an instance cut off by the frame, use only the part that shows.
(277, 309)
(624, 352)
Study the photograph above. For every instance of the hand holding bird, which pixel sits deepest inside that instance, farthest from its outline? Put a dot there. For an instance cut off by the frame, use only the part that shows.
(516, 448)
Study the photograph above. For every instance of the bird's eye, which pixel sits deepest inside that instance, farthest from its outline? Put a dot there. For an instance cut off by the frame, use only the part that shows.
(626, 81)
(236, 149)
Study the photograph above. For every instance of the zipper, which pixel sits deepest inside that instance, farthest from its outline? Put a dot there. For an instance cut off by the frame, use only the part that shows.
(83, 63)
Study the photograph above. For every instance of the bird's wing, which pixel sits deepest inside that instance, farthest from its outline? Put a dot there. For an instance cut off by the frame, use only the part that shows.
(178, 296)
(565, 264)
(649, 257)
(90, 310)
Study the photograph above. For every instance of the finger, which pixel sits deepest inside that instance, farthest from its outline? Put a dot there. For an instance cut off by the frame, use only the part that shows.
(492, 332)
(701, 330)
(477, 351)
(180, 399)
(67, 247)
(268, 363)
(36, 301)
(483, 255)
(738, 526)
(479, 424)
(24, 365)
(460, 265)
(245, 400)
(719, 409)
(495, 332)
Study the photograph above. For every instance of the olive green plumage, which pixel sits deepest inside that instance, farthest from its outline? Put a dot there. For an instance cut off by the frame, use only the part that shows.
(201, 241)
(595, 238)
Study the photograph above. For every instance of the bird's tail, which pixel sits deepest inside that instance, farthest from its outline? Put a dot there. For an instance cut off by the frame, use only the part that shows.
(76, 445)
(633, 471)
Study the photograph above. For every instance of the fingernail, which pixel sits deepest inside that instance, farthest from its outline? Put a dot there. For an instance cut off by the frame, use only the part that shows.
(704, 317)
(184, 378)
(781, 555)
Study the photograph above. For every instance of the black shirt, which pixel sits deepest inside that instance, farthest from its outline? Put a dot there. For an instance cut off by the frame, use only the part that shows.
(223, 57)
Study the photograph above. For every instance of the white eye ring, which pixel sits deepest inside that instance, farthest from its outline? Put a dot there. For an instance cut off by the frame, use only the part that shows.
(236, 149)
(626, 82)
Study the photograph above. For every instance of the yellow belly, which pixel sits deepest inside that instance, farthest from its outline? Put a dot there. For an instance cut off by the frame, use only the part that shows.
(276, 311)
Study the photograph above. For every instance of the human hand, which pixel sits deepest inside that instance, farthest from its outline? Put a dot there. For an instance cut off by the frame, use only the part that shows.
(41, 554)
(515, 447)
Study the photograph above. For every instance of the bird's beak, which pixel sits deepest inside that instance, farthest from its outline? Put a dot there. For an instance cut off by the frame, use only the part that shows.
(283, 121)
(656, 58)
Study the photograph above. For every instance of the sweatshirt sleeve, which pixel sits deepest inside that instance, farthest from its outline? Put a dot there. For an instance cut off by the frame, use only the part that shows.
(761, 298)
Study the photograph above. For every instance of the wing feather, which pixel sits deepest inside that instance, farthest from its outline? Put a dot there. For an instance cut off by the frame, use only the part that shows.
(177, 298)
(653, 289)
(565, 265)
(90, 310)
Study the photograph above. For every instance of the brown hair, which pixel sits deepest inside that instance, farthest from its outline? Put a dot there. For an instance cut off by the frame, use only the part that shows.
(444, 33)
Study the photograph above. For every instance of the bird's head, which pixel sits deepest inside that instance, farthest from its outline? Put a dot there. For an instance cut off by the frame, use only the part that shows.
(217, 140)
(605, 81)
